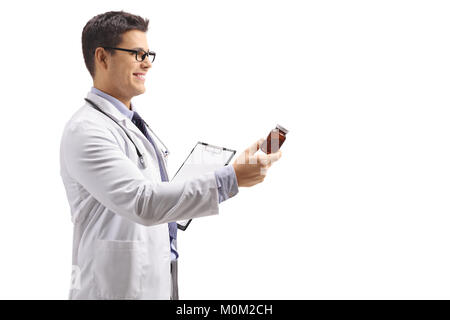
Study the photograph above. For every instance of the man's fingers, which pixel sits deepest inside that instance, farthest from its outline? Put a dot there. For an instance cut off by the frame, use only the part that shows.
(250, 151)
(254, 147)
(263, 170)
(267, 160)
(249, 157)
(274, 156)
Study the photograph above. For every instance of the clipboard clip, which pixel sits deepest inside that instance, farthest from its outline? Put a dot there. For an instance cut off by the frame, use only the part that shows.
(213, 149)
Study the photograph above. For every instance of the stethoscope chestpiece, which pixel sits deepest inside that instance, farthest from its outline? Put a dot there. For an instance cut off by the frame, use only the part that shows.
(143, 161)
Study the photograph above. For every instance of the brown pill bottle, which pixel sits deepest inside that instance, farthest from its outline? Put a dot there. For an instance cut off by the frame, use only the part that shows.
(274, 140)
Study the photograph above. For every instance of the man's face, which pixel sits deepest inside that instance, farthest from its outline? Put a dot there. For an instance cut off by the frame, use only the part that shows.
(125, 75)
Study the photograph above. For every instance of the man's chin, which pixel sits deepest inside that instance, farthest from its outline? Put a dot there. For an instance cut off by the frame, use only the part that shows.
(139, 91)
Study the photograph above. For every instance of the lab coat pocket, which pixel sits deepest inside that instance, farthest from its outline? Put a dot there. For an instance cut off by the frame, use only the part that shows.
(119, 269)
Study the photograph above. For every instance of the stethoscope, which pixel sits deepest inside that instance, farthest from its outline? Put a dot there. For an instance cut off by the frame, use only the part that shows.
(141, 156)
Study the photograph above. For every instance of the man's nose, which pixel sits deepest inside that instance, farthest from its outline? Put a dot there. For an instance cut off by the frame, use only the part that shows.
(146, 63)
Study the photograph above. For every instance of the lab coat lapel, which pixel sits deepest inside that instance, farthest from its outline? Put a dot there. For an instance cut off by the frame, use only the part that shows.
(109, 109)
(123, 120)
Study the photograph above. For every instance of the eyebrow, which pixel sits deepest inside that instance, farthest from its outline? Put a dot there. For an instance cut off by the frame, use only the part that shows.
(140, 49)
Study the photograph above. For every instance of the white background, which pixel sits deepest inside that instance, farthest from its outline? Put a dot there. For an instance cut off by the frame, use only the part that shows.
(357, 207)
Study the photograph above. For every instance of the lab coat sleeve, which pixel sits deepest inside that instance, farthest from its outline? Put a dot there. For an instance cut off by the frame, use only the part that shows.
(94, 159)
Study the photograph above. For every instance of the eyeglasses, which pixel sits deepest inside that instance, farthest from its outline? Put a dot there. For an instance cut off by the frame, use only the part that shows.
(139, 54)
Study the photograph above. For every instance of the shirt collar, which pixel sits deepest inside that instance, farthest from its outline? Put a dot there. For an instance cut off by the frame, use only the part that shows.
(116, 103)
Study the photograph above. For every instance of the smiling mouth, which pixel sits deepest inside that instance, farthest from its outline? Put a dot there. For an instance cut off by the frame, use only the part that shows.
(140, 76)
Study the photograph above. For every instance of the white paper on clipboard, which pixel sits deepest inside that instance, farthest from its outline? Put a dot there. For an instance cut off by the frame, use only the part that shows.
(203, 158)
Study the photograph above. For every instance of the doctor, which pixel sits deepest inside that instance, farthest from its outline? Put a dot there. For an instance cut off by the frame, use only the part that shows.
(114, 171)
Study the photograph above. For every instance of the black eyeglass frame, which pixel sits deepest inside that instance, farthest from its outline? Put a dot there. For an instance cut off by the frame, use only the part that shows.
(145, 55)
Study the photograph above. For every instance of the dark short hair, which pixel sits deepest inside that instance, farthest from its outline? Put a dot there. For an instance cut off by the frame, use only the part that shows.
(105, 30)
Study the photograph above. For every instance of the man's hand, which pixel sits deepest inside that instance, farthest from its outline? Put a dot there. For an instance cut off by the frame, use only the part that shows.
(251, 169)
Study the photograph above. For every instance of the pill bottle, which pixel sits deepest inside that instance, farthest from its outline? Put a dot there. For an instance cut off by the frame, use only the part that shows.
(274, 140)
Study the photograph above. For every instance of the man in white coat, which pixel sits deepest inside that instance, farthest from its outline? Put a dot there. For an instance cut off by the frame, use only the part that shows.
(114, 171)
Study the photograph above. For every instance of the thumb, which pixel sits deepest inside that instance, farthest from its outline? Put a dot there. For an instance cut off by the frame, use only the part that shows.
(254, 147)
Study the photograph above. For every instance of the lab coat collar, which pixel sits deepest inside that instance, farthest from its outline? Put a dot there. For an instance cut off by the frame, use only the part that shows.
(111, 110)
(115, 102)
(106, 107)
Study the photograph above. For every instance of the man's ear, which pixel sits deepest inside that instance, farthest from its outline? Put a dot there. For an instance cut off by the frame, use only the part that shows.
(101, 58)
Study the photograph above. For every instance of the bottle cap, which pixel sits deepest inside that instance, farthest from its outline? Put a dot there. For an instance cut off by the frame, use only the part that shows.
(282, 129)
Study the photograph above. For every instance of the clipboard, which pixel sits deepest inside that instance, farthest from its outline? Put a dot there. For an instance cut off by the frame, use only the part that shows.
(203, 158)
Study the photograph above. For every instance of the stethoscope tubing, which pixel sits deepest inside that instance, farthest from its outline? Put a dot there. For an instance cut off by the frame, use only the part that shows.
(140, 155)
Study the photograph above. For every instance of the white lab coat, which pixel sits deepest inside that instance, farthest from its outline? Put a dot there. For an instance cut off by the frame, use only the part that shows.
(120, 210)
